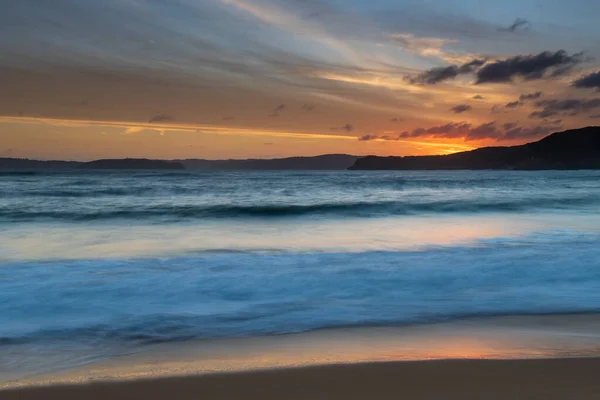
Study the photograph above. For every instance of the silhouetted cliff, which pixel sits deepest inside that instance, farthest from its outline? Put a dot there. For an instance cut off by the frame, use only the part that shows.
(572, 149)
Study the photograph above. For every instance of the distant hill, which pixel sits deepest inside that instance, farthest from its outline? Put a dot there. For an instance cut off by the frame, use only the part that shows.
(24, 163)
(131, 163)
(324, 162)
(126, 163)
(572, 149)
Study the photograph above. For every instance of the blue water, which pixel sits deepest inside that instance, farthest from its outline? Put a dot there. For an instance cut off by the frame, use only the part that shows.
(94, 264)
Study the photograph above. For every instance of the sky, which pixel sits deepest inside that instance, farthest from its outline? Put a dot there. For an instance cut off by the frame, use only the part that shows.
(88, 79)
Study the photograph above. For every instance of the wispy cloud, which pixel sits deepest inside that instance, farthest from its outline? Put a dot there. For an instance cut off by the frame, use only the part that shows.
(520, 24)
(161, 118)
(347, 128)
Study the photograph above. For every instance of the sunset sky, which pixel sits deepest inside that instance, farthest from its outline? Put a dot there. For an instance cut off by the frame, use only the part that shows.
(87, 79)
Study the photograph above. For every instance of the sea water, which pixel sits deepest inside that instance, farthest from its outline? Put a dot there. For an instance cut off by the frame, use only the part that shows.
(95, 264)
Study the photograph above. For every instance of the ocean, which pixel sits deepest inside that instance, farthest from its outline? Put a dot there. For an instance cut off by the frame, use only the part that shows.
(98, 264)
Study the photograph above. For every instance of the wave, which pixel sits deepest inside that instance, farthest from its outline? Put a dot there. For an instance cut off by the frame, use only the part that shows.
(156, 329)
(22, 173)
(339, 209)
(250, 293)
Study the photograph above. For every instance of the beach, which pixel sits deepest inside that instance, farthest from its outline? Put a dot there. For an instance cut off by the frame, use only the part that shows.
(447, 379)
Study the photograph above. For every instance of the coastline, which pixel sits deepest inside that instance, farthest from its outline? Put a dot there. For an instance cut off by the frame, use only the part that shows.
(450, 379)
(510, 338)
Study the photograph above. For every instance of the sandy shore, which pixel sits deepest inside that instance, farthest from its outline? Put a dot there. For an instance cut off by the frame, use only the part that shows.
(445, 379)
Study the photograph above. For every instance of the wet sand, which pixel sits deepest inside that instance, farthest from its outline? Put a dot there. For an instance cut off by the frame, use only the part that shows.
(442, 379)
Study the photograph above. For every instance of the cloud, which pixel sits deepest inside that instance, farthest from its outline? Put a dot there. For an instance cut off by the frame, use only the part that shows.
(530, 96)
(469, 132)
(514, 104)
(424, 46)
(396, 119)
(520, 24)
(496, 109)
(543, 114)
(130, 130)
(590, 81)
(595, 116)
(161, 118)
(553, 122)
(449, 130)
(489, 130)
(569, 107)
(528, 133)
(478, 97)
(133, 129)
(367, 138)
(228, 118)
(277, 110)
(308, 107)
(440, 74)
(347, 128)
(530, 67)
(460, 108)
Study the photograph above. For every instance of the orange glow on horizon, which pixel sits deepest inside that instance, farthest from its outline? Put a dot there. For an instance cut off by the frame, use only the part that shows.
(91, 139)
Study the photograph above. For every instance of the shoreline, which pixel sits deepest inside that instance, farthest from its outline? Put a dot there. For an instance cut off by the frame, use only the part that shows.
(555, 378)
(510, 338)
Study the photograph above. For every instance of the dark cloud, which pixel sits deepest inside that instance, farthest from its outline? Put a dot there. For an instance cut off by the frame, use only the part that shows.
(530, 96)
(347, 128)
(308, 107)
(161, 118)
(514, 104)
(277, 110)
(440, 74)
(460, 108)
(595, 116)
(367, 138)
(553, 122)
(228, 118)
(495, 109)
(449, 130)
(268, 143)
(478, 97)
(590, 81)
(528, 133)
(484, 131)
(520, 24)
(528, 67)
(489, 130)
(543, 114)
(569, 107)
